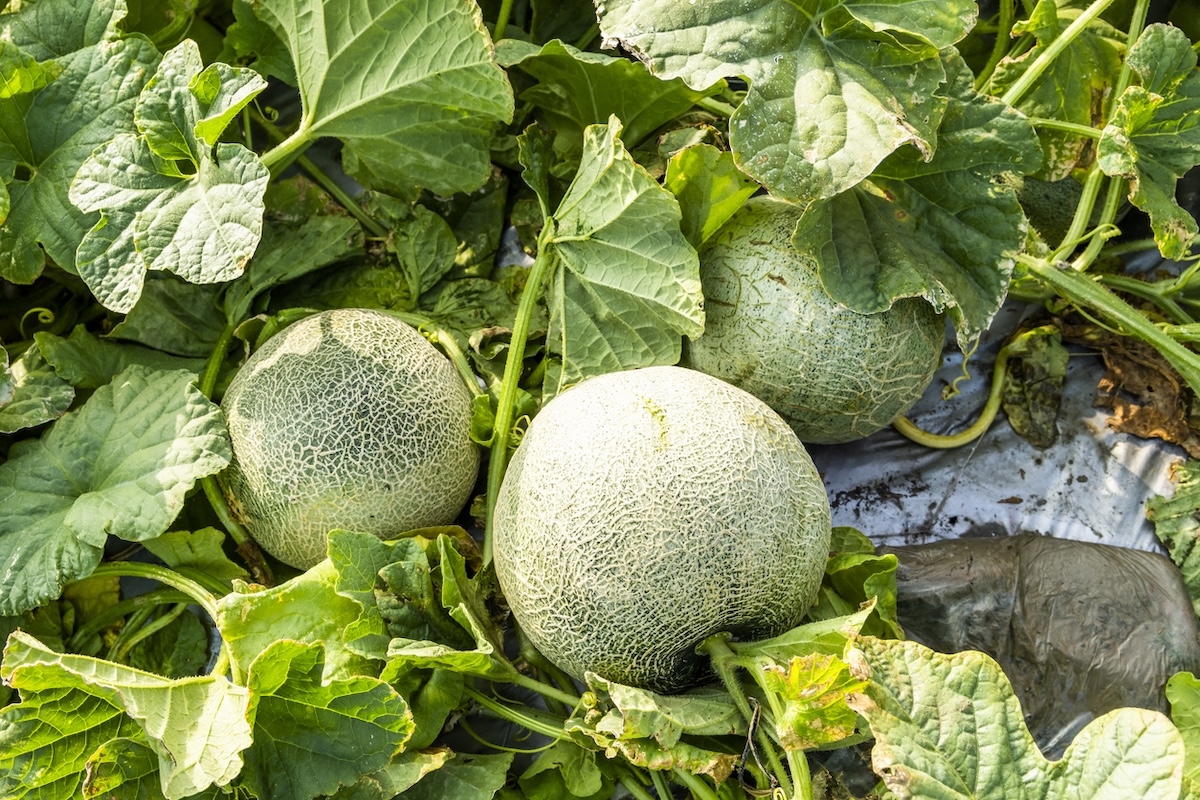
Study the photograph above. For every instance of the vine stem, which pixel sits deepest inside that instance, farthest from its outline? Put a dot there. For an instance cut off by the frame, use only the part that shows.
(502, 19)
(1082, 290)
(1043, 61)
(696, 786)
(169, 577)
(514, 716)
(723, 659)
(506, 405)
(246, 546)
(909, 430)
(145, 631)
(1000, 46)
(123, 608)
(545, 689)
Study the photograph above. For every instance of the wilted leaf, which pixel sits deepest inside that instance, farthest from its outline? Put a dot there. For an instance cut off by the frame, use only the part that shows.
(1153, 137)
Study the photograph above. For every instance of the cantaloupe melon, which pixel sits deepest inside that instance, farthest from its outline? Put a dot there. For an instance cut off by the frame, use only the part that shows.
(347, 419)
(834, 374)
(646, 510)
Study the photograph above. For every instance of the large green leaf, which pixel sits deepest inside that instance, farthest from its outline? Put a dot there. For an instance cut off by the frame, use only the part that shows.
(1069, 88)
(1183, 692)
(411, 86)
(949, 726)
(311, 735)
(45, 138)
(121, 465)
(464, 777)
(942, 229)
(626, 283)
(1153, 137)
(835, 85)
(56, 28)
(197, 727)
(170, 196)
(305, 609)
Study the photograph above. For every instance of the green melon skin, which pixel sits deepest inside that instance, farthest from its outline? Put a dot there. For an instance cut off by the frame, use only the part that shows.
(646, 510)
(834, 374)
(347, 419)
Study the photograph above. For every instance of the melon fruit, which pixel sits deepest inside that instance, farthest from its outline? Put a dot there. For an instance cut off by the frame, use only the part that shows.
(834, 374)
(347, 419)
(646, 510)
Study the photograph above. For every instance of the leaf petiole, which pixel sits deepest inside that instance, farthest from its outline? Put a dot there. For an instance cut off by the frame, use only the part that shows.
(164, 575)
(1043, 61)
(513, 364)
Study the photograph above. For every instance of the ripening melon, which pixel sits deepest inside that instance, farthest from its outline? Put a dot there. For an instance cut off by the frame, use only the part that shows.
(646, 510)
(834, 374)
(347, 419)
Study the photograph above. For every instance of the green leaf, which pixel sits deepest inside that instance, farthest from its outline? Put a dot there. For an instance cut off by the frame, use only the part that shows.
(648, 728)
(288, 252)
(1067, 91)
(950, 726)
(567, 770)
(835, 85)
(313, 735)
(405, 770)
(641, 714)
(180, 649)
(38, 394)
(709, 187)
(57, 28)
(942, 229)
(305, 609)
(121, 465)
(411, 86)
(853, 576)
(1153, 137)
(1183, 693)
(426, 248)
(465, 777)
(196, 726)
(425, 637)
(174, 316)
(625, 286)
(576, 89)
(251, 38)
(168, 198)
(87, 361)
(42, 146)
(48, 737)
(202, 550)
(1177, 525)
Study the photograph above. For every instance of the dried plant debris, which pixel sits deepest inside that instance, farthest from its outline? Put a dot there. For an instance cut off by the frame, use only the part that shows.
(1144, 394)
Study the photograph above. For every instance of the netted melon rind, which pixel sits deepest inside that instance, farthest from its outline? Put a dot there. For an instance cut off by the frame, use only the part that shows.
(835, 375)
(645, 511)
(347, 419)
